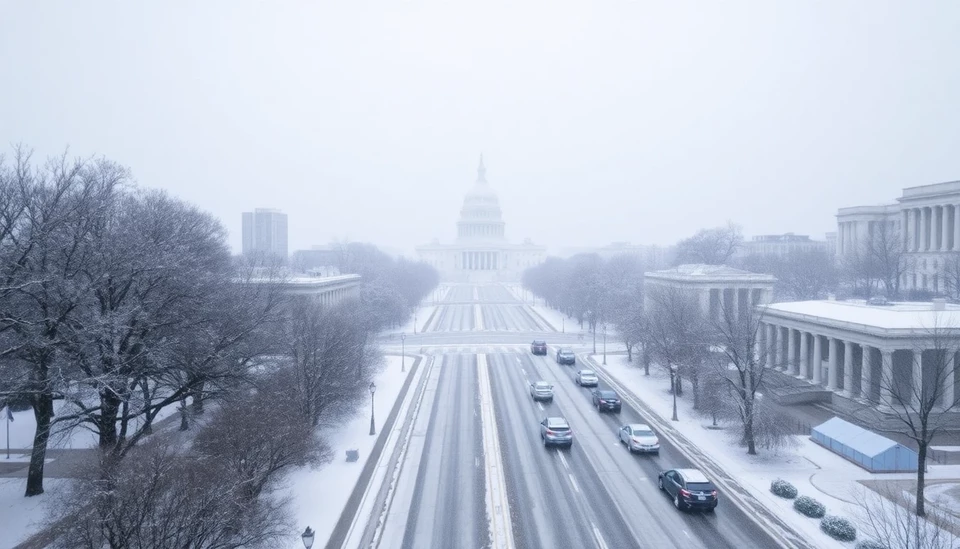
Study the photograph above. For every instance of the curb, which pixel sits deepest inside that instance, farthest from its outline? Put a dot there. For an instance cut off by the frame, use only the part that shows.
(777, 529)
(430, 318)
(541, 317)
(339, 534)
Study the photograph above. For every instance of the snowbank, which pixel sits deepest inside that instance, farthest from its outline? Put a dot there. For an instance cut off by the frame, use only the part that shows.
(22, 516)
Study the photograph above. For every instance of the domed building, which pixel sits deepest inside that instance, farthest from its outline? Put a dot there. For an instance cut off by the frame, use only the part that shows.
(481, 252)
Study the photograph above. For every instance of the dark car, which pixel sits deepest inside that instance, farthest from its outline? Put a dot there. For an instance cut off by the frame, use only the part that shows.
(555, 431)
(566, 356)
(538, 347)
(606, 400)
(689, 489)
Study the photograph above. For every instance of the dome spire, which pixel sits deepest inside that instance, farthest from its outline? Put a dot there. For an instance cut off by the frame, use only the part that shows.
(481, 170)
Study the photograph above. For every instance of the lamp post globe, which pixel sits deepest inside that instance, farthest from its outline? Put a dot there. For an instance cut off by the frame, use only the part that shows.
(307, 538)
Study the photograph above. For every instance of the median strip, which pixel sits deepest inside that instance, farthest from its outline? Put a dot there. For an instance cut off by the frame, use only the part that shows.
(498, 509)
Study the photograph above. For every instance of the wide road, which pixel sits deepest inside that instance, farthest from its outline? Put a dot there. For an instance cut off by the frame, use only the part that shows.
(594, 495)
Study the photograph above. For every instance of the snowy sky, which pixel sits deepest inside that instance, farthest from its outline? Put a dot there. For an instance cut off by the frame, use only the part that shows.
(599, 121)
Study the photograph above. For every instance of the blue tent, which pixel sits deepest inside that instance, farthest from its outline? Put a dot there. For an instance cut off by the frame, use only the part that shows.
(873, 452)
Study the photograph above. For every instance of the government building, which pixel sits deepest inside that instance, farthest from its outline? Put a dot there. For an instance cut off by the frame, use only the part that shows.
(481, 252)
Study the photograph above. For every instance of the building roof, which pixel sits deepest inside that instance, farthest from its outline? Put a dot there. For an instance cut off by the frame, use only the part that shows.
(695, 272)
(903, 316)
(855, 437)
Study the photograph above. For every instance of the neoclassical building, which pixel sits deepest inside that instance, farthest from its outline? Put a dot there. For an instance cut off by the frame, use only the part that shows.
(717, 288)
(481, 252)
(925, 223)
(869, 352)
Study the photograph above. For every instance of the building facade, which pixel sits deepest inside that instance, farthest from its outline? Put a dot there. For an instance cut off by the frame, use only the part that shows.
(265, 231)
(877, 354)
(717, 288)
(481, 251)
(782, 245)
(924, 225)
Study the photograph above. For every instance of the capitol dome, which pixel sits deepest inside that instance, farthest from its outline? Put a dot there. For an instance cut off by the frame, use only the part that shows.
(480, 216)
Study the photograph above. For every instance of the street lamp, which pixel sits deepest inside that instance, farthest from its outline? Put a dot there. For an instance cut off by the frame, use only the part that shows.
(563, 325)
(307, 537)
(373, 389)
(403, 354)
(604, 343)
(593, 328)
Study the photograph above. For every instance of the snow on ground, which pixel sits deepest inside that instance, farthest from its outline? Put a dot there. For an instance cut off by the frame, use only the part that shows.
(319, 495)
(21, 516)
(815, 471)
(422, 316)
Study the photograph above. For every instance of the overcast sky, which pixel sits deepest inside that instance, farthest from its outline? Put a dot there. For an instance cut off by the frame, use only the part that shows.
(599, 121)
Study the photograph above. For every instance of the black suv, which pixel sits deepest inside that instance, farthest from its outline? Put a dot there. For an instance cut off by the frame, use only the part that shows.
(605, 399)
(538, 347)
(689, 489)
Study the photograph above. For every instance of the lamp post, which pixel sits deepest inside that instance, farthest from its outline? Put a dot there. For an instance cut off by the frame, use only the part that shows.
(593, 328)
(604, 343)
(403, 353)
(373, 389)
(563, 325)
(307, 538)
(414, 321)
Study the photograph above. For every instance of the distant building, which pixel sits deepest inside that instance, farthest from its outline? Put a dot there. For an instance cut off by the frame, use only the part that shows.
(924, 223)
(652, 256)
(717, 288)
(265, 231)
(481, 251)
(318, 259)
(781, 245)
(327, 290)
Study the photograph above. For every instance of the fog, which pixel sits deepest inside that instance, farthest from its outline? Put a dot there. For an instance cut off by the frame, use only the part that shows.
(598, 122)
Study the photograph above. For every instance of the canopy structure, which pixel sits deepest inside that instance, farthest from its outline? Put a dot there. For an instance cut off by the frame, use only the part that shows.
(873, 452)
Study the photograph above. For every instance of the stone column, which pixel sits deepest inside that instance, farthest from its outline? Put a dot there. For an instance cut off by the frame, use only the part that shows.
(904, 223)
(866, 373)
(916, 377)
(886, 377)
(817, 360)
(924, 229)
(832, 359)
(944, 229)
(956, 228)
(848, 369)
(912, 230)
(935, 213)
(769, 360)
(782, 348)
(791, 365)
(804, 356)
(950, 382)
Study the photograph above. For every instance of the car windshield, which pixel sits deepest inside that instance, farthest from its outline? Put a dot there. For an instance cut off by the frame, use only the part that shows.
(543, 385)
(566, 352)
(699, 486)
(538, 342)
(607, 394)
(586, 373)
(642, 433)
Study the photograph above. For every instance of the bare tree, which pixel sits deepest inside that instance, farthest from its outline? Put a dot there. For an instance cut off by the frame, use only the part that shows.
(710, 246)
(888, 516)
(884, 247)
(737, 337)
(922, 409)
(678, 335)
(951, 275)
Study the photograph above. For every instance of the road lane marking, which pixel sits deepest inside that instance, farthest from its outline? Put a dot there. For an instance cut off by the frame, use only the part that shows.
(521, 369)
(574, 483)
(477, 318)
(498, 508)
(563, 460)
(687, 534)
(540, 404)
(596, 534)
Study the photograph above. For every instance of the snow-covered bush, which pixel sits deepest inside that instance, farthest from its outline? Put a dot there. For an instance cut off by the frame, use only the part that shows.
(870, 544)
(808, 506)
(783, 489)
(838, 528)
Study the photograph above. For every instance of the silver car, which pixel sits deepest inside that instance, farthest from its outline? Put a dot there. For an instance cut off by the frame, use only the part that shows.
(639, 437)
(555, 431)
(587, 378)
(541, 390)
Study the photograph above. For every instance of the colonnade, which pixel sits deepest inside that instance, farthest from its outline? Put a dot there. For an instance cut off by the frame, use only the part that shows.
(931, 228)
(480, 261)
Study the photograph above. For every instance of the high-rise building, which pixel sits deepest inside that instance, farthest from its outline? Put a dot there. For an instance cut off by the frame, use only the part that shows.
(265, 231)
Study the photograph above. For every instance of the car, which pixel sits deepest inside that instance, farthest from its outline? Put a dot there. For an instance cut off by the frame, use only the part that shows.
(566, 356)
(538, 347)
(639, 437)
(587, 378)
(541, 390)
(605, 399)
(689, 488)
(555, 431)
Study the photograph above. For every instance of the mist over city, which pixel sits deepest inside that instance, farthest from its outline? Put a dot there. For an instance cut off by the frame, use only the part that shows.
(421, 274)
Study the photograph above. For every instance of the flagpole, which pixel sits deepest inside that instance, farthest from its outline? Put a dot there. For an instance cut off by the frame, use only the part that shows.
(8, 433)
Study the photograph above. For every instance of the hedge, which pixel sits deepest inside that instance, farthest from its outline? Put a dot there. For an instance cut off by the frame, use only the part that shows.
(871, 544)
(783, 489)
(838, 528)
(808, 506)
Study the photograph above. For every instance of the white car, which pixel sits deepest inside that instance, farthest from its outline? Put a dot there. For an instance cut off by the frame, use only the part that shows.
(639, 437)
(587, 378)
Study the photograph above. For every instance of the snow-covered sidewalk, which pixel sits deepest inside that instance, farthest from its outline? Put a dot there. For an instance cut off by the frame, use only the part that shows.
(320, 495)
(815, 471)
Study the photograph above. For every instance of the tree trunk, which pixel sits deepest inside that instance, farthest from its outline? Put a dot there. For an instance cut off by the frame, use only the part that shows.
(646, 361)
(107, 422)
(629, 352)
(196, 393)
(921, 474)
(748, 437)
(696, 391)
(42, 412)
(184, 420)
